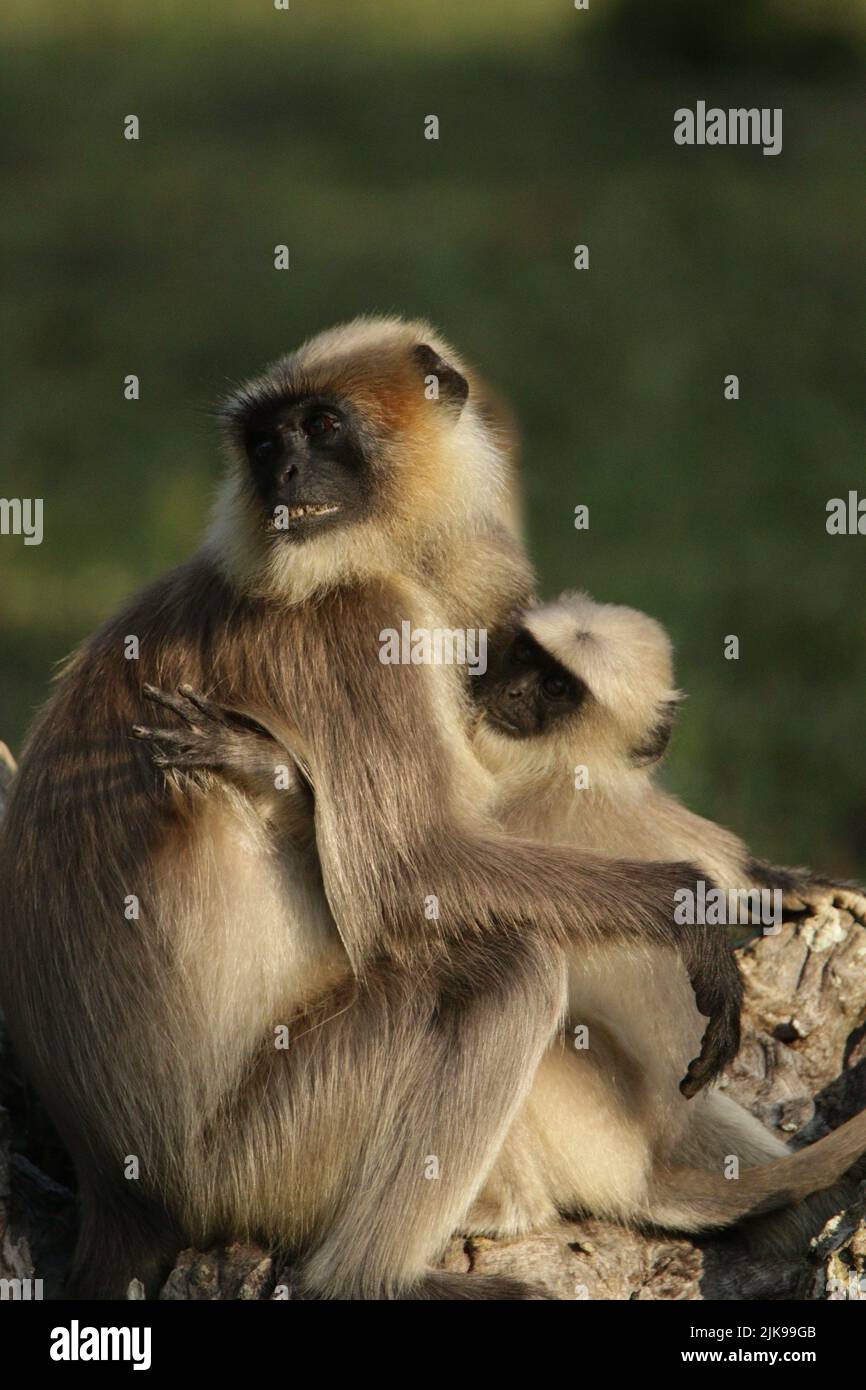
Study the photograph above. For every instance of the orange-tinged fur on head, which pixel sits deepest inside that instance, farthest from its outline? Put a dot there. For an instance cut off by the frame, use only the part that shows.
(440, 475)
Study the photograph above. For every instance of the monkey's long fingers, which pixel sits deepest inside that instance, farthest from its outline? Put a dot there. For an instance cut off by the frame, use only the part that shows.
(176, 748)
(792, 902)
(818, 895)
(223, 714)
(176, 739)
(719, 1046)
(176, 703)
(695, 1079)
(851, 901)
(701, 1069)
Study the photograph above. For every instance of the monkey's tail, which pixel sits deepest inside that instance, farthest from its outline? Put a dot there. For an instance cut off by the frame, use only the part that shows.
(692, 1199)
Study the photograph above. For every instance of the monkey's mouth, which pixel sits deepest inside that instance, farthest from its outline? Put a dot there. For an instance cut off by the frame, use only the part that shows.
(295, 513)
(500, 724)
(286, 518)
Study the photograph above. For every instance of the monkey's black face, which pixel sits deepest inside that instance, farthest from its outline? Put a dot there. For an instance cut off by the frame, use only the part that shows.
(307, 465)
(525, 690)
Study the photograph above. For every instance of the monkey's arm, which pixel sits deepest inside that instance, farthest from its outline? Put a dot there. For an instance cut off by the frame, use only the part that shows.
(233, 746)
(396, 829)
(802, 889)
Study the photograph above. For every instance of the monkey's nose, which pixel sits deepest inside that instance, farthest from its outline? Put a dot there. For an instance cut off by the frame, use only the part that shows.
(287, 473)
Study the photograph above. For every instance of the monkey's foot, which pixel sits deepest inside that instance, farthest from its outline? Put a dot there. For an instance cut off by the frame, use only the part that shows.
(808, 892)
(816, 897)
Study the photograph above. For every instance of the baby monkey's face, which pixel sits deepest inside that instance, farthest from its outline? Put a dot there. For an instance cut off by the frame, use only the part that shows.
(581, 680)
(526, 691)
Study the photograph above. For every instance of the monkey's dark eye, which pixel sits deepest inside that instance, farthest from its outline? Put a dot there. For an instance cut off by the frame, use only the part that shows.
(555, 687)
(265, 447)
(524, 650)
(322, 425)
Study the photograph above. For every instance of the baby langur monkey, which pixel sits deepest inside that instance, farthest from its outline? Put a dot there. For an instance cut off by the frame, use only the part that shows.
(574, 715)
(605, 1128)
(581, 684)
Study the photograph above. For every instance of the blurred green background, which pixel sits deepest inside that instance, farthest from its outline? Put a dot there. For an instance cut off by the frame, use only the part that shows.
(306, 127)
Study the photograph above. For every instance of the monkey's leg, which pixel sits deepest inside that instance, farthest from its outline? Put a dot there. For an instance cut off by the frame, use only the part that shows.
(440, 1067)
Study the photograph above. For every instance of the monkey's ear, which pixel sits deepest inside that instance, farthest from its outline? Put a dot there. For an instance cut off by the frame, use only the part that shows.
(654, 746)
(448, 384)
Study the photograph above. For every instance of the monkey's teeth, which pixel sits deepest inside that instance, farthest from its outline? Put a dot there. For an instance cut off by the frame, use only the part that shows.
(294, 512)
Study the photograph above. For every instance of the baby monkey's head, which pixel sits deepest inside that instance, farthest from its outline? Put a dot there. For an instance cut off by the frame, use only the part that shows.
(582, 681)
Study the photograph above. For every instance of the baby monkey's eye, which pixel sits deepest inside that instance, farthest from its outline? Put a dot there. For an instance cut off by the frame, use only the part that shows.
(524, 650)
(264, 447)
(321, 425)
(555, 687)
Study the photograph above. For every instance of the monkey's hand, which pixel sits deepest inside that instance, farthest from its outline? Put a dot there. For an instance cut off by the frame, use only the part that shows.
(223, 741)
(719, 996)
(708, 954)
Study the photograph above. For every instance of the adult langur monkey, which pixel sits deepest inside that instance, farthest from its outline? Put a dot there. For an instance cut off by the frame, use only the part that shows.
(155, 946)
(604, 1128)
